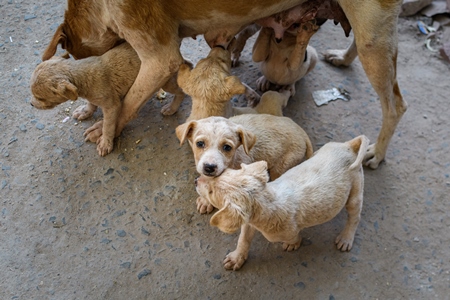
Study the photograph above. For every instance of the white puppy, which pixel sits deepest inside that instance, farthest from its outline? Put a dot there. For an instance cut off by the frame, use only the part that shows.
(219, 143)
(309, 194)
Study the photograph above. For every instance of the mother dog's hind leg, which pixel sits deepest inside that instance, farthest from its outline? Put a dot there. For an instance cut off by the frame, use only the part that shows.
(374, 25)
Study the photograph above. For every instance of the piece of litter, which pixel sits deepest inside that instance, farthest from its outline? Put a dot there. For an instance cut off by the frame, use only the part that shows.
(324, 96)
(66, 119)
(10, 38)
(138, 141)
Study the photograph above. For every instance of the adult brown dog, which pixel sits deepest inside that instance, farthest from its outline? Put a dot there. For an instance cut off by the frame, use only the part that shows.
(155, 30)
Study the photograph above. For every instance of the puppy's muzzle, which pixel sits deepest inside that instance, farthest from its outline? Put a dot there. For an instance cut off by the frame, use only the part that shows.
(209, 169)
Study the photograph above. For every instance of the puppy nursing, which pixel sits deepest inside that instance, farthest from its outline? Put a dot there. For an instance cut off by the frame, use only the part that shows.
(219, 143)
(309, 194)
(211, 86)
(284, 62)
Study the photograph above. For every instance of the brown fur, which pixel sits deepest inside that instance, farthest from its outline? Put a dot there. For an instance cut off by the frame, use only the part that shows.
(309, 194)
(155, 29)
(220, 143)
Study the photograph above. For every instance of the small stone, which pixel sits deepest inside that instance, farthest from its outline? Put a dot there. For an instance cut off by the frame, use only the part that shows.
(23, 128)
(121, 233)
(300, 285)
(217, 276)
(40, 126)
(126, 265)
(144, 273)
(29, 17)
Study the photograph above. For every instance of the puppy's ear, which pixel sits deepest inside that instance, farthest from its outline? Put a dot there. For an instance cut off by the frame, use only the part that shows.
(258, 170)
(228, 219)
(247, 139)
(234, 85)
(67, 90)
(184, 131)
(58, 38)
(184, 73)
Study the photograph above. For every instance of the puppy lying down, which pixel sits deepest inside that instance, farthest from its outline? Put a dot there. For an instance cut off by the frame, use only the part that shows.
(309, 194)
(102, 80)
(219, 143)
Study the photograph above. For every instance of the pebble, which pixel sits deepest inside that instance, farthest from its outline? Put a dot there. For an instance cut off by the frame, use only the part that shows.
(29, 17)
(40, 126)
(121, 233)
(23, 128)
(300, 285)
(126, 265)
(144, 273)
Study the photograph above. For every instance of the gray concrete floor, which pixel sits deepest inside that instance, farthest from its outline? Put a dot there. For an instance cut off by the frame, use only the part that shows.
(74, 225)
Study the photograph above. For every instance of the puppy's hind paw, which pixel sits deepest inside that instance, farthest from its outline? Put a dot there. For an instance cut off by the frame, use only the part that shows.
(83, 112)
(337, 58)
(93, 133)
(344, 243)
(203, 206)
(234, 261)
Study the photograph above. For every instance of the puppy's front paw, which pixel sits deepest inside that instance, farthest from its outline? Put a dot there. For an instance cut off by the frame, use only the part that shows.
(168, 109)
(337, 58)
(93, 133)
(203, 206)
(104, 146)
(234, 261)
(344, 242)
(291, 247)
(83, 112)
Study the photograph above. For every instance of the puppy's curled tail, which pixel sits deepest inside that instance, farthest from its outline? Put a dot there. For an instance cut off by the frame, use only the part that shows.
(359, 145)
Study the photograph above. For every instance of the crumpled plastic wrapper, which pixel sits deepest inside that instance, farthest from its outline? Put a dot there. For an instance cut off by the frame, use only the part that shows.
(325, 96)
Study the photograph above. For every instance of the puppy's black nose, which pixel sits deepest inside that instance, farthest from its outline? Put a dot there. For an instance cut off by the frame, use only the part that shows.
(278, 40)
(209, 168)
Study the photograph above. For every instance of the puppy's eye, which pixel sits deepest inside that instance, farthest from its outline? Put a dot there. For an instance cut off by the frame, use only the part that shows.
(200, 144)
(227, 148)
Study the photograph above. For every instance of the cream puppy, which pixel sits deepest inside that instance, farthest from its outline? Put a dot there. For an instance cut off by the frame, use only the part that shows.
(219, 143)
(309, 194)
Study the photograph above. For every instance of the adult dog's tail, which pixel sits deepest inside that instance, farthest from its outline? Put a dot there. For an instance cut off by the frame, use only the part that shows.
(359, 146)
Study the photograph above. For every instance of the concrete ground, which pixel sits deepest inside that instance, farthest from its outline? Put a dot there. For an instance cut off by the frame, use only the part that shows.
(74, 225)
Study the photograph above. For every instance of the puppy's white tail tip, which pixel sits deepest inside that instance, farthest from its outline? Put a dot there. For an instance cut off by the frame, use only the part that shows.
(359, 145)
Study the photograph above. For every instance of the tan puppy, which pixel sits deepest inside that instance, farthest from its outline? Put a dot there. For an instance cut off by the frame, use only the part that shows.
(93, 27)
(284, 62)
(309, 194)
(211, 86)
(219, 143)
